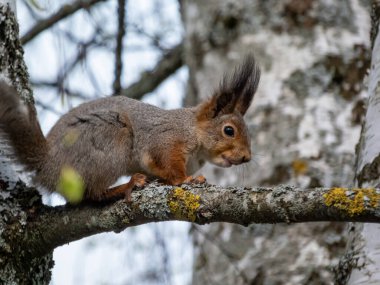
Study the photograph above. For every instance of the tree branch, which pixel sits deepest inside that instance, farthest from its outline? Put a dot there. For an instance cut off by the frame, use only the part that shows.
(65, 11)
(59, 85)
(119, 47)
(149, 80)
(55, 226)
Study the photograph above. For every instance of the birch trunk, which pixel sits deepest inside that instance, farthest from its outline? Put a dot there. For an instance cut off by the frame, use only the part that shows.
(305, 122)
(362, 258)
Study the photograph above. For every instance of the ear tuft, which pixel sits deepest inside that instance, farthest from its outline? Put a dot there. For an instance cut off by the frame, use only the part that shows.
(235, 93)
(246, 80)
(242, 75)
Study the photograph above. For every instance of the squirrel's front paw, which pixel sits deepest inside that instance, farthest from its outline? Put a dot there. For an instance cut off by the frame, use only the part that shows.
(200, 179)
(137, 180)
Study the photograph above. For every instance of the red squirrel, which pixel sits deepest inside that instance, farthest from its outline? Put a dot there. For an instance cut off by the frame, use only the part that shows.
(110, 137)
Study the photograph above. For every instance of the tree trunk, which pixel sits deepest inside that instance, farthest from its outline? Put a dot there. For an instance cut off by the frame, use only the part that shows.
(304, 124)
(17, 202)
(361, 263)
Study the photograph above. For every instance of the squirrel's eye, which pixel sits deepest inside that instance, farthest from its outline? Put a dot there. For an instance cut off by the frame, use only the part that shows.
(229, 131)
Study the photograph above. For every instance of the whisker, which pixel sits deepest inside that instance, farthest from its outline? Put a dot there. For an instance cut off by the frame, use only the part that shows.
(245, 171)
(242, 173)
(255, 162)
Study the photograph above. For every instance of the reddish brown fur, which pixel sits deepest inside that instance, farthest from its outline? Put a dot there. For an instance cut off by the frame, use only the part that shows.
(170, 164)
(206, 110)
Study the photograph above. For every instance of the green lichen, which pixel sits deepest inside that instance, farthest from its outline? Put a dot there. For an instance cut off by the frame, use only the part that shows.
(183, 204)
(353, 201)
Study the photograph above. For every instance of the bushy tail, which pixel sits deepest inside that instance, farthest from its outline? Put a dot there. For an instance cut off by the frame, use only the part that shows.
(18, 121)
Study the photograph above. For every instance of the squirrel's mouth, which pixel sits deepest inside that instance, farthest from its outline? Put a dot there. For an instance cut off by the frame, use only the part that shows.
(227, 162)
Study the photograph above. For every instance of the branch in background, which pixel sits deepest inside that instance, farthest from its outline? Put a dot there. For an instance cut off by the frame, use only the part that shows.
(99, 39)
(80, 57)
(155, 39)
(119, 47)
(201, 204)
(47, 107)
(62, 13)
(59, 86)
(149, 80)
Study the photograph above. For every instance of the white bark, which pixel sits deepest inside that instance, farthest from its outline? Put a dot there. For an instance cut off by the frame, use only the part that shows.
(8, 172)
(366, 242)
(371, 145)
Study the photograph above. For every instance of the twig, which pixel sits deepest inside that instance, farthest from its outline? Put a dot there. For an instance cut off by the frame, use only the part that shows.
(47, 107)
(65, 11)
(57, 85)
(149, 80)
(119, 47)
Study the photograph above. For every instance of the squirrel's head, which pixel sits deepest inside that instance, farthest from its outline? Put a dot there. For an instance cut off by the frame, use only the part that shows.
(222, 131)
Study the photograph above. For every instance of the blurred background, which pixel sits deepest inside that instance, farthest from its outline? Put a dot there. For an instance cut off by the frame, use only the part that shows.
(305, 121)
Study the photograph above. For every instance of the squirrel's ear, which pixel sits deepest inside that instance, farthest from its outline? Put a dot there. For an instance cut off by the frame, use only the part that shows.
(235, 92)
(219, 104)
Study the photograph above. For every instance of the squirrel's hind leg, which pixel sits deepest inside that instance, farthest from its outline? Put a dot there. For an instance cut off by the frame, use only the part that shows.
(125, 190)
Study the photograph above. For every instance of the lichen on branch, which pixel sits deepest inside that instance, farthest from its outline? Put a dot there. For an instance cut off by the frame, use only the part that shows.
(183, 204)
(353, 201)
(202, 204)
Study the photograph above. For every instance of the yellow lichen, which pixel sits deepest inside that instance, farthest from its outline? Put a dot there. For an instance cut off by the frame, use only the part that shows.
(299, 167)
(353, 201)
(183, 204)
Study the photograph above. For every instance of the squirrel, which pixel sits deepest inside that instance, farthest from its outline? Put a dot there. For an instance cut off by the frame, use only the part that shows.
(107, 138)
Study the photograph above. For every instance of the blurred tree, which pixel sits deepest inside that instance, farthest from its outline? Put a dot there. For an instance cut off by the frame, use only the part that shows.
(304, 125)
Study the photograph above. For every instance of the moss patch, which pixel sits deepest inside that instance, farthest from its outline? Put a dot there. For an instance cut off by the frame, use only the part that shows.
(353, 201)
(183, 204)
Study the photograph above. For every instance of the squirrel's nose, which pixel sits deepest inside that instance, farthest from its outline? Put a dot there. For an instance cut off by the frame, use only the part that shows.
(246, 158)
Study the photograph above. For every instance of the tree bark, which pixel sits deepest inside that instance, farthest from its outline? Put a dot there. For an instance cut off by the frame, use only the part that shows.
(16, 201)
(49, 227)
(362, 259)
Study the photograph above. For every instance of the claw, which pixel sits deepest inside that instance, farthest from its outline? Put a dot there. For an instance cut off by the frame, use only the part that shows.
(200, 179)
